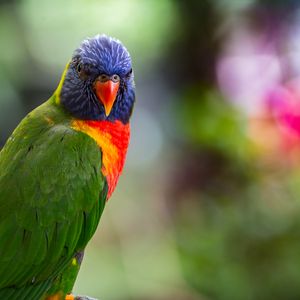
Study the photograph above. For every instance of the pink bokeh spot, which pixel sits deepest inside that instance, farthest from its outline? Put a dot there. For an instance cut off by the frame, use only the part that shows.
(283, 103)
(244, 80)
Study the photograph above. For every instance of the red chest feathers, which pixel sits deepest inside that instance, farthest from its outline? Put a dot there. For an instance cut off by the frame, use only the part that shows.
(113, 140)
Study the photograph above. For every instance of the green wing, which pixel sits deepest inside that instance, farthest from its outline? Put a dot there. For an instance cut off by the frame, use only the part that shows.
(52, 196)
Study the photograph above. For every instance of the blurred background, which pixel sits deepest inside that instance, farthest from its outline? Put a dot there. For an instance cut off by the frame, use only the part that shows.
(208, 206)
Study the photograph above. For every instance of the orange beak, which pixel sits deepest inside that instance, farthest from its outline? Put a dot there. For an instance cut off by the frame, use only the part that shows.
(106, 93)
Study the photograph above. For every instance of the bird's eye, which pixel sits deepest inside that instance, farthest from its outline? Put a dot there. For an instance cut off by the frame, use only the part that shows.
(129, 73)
(115, 78)
(82, 71)
(79, 68)
(103, 78)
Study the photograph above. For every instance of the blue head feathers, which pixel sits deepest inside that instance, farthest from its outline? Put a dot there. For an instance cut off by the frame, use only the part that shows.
(99, 81)
(108, 54)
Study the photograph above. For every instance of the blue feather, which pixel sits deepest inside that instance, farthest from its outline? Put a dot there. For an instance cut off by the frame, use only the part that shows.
(98, 55)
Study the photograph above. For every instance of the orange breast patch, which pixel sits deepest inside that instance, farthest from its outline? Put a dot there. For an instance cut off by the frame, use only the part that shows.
(113, 140)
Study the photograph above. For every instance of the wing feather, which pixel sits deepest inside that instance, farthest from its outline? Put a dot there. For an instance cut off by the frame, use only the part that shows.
(50, 203)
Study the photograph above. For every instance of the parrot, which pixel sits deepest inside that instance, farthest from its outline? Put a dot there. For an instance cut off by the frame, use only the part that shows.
(58, 169)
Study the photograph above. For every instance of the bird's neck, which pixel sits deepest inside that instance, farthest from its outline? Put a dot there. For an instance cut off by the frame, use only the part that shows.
(113, 140)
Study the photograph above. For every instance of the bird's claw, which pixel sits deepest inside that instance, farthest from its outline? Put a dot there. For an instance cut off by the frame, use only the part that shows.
(84, 298)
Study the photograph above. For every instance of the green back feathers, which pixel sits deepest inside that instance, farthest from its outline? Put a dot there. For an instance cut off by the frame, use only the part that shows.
(52, 196)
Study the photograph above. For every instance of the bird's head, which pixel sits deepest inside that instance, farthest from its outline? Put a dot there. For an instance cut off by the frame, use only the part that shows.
(98, 82)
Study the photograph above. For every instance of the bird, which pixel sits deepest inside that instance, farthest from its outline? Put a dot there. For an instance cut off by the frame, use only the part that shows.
(58, 169)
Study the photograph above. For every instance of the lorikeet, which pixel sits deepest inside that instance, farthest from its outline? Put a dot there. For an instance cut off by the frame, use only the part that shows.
(58, 169)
